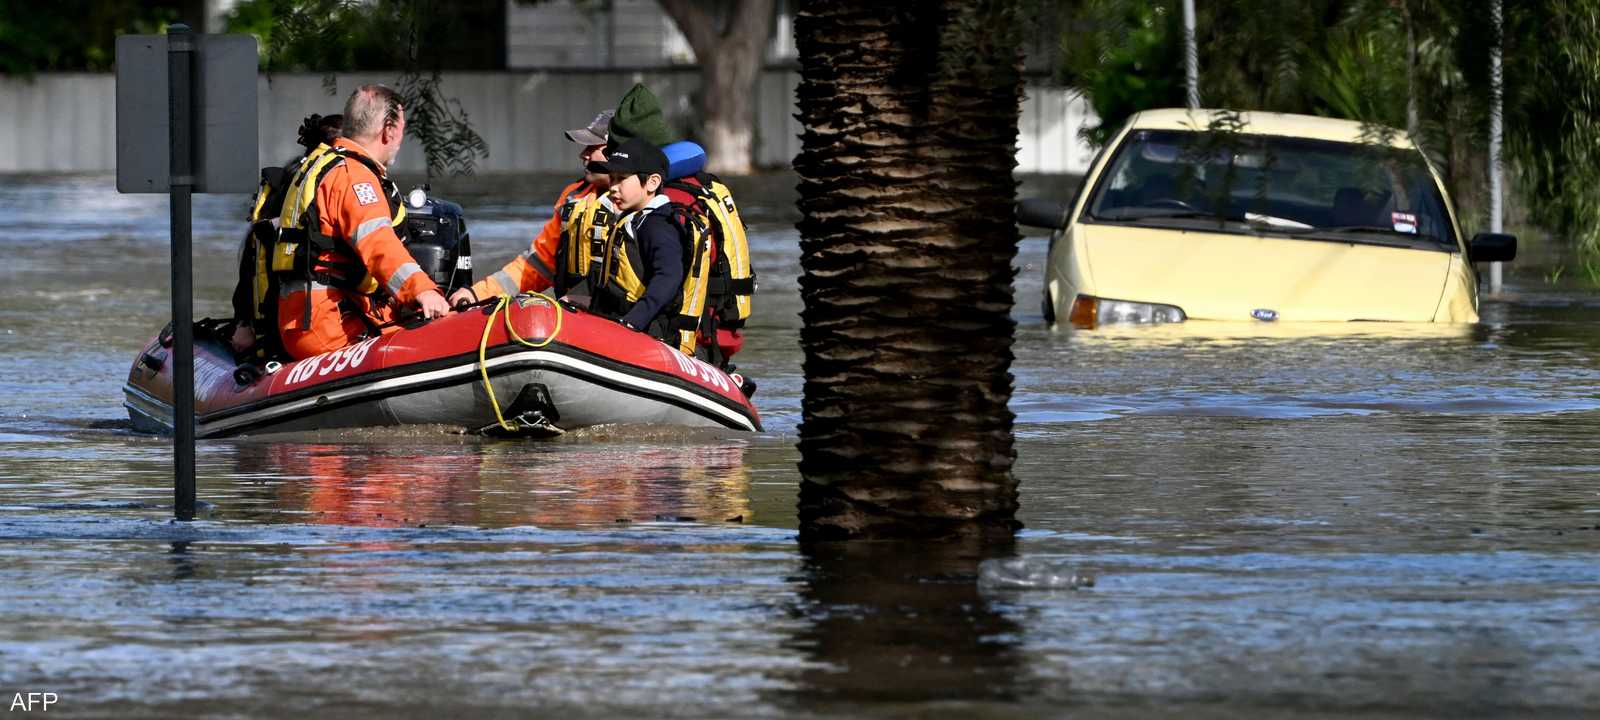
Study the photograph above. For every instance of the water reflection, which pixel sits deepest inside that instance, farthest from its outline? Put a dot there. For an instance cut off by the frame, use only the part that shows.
(183, 565)
(1225, 333)
(899, 622)
(492, 484)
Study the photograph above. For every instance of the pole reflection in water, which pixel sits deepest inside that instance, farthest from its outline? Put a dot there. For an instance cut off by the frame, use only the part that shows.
(494, 484)
(903, 622)
(182, 559)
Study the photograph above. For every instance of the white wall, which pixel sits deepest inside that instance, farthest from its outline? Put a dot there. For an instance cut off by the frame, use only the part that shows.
(65, 122)
(564, 35)
(62, 122)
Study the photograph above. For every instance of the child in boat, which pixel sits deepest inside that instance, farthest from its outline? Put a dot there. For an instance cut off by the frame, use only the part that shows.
(641, 282)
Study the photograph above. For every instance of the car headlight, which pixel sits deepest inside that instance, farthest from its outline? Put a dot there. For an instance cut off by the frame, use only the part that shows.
(1089, 311)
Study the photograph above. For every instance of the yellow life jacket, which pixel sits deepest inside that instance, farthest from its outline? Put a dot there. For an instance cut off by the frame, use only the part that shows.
(295, 255)
(264, 210)
(299, 225)
(617, 276)
(268, 203)
(733, 282)
(586, 223)
(264, 213)
(255, 299)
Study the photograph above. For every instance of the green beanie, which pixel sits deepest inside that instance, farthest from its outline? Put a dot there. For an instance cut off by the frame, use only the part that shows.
(639, 116)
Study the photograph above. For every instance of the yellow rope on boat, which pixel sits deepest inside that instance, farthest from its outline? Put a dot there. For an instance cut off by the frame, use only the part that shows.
(511, 332)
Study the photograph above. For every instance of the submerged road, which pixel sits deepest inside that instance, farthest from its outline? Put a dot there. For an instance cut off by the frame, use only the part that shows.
(1390, 520)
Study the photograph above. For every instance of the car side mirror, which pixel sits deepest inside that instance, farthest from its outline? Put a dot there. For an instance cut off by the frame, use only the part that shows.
(1492, 247)
(1041, 213)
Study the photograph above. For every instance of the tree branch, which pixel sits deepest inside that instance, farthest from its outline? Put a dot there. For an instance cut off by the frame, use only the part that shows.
(697, 24)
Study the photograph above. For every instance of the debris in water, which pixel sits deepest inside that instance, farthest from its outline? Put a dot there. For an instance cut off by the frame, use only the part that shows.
(1031, 574)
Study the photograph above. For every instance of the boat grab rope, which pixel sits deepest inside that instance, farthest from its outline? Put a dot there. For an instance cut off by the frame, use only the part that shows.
(500, 309)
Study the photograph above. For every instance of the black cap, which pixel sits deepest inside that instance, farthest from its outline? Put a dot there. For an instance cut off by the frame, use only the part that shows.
(633, 157)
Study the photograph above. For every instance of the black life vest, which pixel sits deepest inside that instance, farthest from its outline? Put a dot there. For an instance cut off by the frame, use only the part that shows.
(264, 211)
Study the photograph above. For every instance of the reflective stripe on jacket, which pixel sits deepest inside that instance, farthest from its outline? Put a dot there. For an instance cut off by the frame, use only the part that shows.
(353, 209)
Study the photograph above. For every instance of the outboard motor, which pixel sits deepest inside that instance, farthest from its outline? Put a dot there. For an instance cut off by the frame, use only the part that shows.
(436, 235)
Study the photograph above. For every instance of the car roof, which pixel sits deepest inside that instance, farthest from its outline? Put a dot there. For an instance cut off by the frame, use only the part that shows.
(1271, 123)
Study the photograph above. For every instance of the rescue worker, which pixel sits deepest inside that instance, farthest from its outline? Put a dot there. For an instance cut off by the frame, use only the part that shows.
(641, 283)
(545, 265)
(317, 133)
(347, 227)
(572, 249)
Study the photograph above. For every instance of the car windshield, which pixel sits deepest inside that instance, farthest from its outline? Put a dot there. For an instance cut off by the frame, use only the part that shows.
(1265, 183)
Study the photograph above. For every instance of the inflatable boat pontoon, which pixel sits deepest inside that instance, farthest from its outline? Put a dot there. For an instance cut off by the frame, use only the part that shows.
(529, 365)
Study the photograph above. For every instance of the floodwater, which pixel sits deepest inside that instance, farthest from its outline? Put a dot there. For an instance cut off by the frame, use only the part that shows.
(1391, 521)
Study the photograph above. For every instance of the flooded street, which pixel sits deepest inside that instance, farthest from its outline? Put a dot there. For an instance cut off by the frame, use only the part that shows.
(1279, 520)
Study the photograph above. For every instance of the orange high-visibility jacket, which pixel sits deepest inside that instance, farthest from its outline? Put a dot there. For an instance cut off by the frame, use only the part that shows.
(353, 206)
(534, 270)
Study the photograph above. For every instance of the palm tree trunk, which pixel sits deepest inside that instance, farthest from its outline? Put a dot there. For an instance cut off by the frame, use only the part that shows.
(904, 622)
(910, 113)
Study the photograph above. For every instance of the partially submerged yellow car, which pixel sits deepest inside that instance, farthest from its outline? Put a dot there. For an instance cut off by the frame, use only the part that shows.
(1223, 215)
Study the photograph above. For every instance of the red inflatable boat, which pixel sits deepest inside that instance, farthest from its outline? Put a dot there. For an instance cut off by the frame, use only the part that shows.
(526, 365)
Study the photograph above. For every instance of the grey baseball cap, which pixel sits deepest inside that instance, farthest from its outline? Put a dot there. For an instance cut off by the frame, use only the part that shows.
(595, 133)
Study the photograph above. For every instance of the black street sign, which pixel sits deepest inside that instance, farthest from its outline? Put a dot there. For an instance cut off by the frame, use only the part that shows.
(222, 89)
(186, 123)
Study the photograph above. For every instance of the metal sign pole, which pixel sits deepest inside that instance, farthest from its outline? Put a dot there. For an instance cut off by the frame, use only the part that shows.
(180, 55)
(186, 123)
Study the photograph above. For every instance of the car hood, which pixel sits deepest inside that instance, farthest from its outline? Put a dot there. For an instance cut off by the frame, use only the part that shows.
(1223, 276)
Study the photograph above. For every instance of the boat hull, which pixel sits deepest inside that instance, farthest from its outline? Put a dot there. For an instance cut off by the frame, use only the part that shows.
(568, 368)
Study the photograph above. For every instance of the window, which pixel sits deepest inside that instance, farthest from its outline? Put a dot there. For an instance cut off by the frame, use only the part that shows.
(1256, 183)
